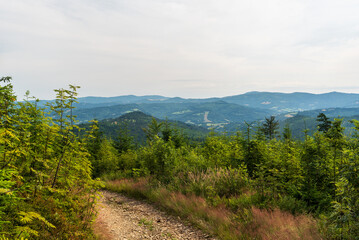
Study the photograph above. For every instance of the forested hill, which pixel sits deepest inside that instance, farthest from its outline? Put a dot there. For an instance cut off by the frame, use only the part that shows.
(134, 123)
(308, 120)
(207, 114)
(298, 110)
(298, 101)
(278, 102)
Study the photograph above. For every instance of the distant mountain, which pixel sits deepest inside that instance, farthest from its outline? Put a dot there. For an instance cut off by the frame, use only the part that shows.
(307, 119)
(275, 102)
(136, 121)
(227, 113)
(289, 102)
(208, 114)
(278, 102)
(331, 112)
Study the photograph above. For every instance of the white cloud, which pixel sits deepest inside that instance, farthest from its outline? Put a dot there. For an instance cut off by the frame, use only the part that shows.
(139, 47)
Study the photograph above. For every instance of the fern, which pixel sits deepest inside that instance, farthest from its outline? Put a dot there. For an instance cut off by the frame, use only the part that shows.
(5, 238)
(28, 217)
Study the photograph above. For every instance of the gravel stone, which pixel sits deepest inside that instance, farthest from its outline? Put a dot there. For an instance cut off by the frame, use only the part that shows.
(124, 218)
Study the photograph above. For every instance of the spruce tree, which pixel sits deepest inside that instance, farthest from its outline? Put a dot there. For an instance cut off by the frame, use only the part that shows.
(270, 127)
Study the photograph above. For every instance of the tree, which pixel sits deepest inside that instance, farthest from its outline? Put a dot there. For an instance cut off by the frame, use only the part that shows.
(324, 123)
(173, 134)
(124, 140)
(44, 169)
(337, 142)
(287, 133)
(107, 159)
(167, 131)
(153, 130)
(270, 127)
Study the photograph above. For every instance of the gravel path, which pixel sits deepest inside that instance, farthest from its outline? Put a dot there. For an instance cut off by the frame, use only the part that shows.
(124, 218)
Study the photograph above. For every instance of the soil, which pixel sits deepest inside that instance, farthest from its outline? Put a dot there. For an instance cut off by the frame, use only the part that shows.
(121, 217)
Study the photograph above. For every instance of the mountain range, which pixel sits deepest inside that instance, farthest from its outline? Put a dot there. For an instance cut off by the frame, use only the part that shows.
(278, 102)
(226, 113)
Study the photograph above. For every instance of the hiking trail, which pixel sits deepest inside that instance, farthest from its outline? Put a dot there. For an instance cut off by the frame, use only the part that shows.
(124, 218)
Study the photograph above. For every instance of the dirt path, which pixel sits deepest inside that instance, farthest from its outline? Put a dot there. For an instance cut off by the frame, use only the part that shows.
(124, 218)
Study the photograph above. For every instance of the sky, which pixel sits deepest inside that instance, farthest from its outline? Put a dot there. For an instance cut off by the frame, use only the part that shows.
(184, 48)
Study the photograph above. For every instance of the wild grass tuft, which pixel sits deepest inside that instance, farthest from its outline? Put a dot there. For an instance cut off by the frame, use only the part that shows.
(281, 225)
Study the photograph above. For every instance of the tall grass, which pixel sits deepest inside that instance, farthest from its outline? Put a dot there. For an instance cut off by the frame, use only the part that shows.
(281, 225)
(213, 220)
(219, 220)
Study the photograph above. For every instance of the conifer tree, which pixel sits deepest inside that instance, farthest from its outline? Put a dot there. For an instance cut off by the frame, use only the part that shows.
(153, 130)
(324, 123)
(44, 168)
(270, 127)
(287, 133)
(124, 140)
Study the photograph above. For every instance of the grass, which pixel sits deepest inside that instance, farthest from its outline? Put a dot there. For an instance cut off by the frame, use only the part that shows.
(101, 230)
(281, 225)
(219, 220)
(147, 223)
(213, 220)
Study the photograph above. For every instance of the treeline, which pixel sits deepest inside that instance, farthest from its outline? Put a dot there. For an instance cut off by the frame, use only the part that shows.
(255, 168)
(46, 189)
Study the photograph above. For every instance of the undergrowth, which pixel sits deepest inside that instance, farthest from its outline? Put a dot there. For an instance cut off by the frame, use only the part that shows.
(245, 222)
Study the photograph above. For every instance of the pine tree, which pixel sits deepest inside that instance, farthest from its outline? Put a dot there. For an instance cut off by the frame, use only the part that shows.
(270, 127)
(153, 130)
(124, 140)
(324, 123)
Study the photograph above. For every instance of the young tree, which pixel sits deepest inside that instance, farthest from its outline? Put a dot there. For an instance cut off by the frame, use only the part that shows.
(44, 169)
(124, 140)
(270, 127)
(337, 142)
(324, 123)
(153, 130)
(287, 133)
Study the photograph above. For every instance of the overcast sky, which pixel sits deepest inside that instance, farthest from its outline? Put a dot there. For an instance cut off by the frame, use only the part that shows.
(186, 48)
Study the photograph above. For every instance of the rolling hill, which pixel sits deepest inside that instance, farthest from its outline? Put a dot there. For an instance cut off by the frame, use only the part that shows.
(208, 114)
(136, 121)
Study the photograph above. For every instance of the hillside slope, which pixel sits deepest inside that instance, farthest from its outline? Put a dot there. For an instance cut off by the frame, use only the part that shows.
(135, 122)
(206, 114)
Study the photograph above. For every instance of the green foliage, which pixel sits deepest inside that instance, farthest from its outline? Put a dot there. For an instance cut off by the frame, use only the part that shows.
(217, 182)
(317, 175)
(270, 127)
(46, 162)
(324, 123)
(47, 165)
(153, 129)
(287, 133)
(127, 130)
(124, 140)
(46, 190)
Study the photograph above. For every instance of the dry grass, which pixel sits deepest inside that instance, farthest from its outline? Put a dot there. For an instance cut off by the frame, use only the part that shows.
(225, 182)
(281, 225)
(220, 221)
(99, 226)
(101, 231)
(213, 220)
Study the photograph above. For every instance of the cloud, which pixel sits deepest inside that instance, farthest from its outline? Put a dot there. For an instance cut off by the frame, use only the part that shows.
(139, 47)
